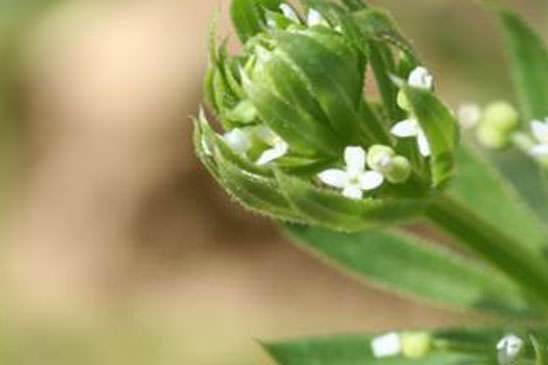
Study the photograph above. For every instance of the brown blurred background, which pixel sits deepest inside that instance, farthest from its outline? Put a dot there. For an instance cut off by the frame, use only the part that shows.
(117, 248)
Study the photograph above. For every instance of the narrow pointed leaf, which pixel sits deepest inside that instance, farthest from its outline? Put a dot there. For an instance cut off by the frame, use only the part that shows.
(441, 129)
(331, 209)
(401, 263)
(482, 187)
(529, 63)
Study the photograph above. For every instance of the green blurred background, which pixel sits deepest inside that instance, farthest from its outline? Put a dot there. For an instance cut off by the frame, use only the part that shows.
(116, 247)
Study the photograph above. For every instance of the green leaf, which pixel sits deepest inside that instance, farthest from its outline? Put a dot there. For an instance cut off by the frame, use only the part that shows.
(404, 264)
(257, 193)
(526, 177)
(331, 209)
(480, 185)
(248, 16)
(288, 121)
(470, 348)
(339, 90)
(529, 63)
(377, 25)
(441, 129)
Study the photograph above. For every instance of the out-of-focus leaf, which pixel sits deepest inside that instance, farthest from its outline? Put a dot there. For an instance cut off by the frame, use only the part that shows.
(479, 184)
(529, 63)
(441, 129)
(527, 178)
(407, 265)
(332, 210)
(450, 348)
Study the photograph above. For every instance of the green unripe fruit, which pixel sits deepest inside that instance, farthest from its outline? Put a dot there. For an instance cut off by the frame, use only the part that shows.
(379, 157)
(491, 137)
(399, 170)
(403, 101)
(416, 344)
(500, 120)
(501, 116)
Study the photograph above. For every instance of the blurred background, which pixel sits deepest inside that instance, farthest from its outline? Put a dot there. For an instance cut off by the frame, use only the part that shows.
(116, 246)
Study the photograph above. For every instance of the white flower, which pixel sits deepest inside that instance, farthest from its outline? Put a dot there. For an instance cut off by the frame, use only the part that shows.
(355, 178)
(314, 18)
(279, 146)
(238, 140)
(540, 131)
(386, 345)
(508, 348)
(411, 128)
(421, 78)
(469, 115)
(289, 13)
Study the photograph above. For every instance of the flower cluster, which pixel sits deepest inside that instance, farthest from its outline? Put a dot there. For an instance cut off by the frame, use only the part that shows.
(298, 129)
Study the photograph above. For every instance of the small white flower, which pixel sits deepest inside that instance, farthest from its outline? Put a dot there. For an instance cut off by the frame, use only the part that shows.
(468, 115)
(421, 78)
(387, 345)
(355, 178)
(314, 18)
(238, 140)
(279, 146)
(540, 131)
(289, 13)
(411, 128)
(508, 348)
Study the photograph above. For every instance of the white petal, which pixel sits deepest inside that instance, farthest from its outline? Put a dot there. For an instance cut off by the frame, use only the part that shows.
(265, 134)
(314, 18)
(238, 140)
(540, 150)
(405, 128)
(334, 177)
(353, 192)
(289, 13)
(355, 158)
(274, 153)
(421, 78)
(370, 180)
(508, 348)
(540, 130)
(469, 115)
(386, 345)
(424, 145)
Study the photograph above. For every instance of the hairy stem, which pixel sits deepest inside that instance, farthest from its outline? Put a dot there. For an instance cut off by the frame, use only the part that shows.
(527, 268)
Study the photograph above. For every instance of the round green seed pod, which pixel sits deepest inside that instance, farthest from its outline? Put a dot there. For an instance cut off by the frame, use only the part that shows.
(399, 170)
(502, 116)
(416, 344)
(403, 101)
(379, 157)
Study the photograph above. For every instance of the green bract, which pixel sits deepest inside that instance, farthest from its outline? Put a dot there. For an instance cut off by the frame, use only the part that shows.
(292, 102)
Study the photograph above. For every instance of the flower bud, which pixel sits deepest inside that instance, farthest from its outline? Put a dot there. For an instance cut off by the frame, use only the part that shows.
(416, 344)
(500, 120)
(379, 157)
(399, 170)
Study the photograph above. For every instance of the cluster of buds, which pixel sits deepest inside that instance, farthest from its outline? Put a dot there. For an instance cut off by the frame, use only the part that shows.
(301, 140)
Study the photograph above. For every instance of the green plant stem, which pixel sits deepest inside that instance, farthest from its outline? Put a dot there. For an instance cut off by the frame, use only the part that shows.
(527, 268)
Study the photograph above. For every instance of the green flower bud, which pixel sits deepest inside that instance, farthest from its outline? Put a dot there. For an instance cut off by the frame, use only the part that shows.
(416, 344)
(300, 141)
(399, 170)
(500, 120)
(403, 101)
(379, 158)
(501, 116)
